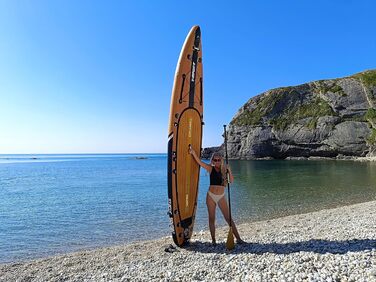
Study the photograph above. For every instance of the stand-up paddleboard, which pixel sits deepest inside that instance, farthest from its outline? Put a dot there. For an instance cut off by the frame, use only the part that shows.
(185, 129)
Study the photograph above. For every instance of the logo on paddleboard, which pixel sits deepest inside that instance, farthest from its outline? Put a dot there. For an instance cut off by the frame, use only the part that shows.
(190, 128)
(193, 72)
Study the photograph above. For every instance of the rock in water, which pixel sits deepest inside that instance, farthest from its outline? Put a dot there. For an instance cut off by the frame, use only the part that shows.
(326, 118)
(208, 152)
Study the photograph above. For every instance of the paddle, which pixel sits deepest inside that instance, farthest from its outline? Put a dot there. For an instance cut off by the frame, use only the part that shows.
(230, 237)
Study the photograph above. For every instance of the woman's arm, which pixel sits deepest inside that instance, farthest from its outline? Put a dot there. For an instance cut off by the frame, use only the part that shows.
(197, 159)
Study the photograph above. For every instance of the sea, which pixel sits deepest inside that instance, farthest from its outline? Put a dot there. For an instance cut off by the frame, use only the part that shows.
(54, 204)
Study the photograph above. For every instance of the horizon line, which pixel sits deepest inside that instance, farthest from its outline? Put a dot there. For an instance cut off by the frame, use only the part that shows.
(78, 153)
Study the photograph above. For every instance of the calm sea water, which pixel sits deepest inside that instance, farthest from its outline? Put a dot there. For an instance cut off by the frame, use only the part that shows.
(52, 204)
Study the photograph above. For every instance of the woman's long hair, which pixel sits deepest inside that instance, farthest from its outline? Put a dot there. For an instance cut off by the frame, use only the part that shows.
(223, 166)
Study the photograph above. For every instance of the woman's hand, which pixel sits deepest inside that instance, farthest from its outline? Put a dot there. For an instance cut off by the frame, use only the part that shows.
(231, 177)
(191, 151)
(198, 160)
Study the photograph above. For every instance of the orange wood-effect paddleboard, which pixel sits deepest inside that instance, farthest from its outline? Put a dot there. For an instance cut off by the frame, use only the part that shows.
(185, 129)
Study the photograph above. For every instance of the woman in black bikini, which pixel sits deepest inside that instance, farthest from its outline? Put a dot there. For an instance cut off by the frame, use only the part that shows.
(216, 192)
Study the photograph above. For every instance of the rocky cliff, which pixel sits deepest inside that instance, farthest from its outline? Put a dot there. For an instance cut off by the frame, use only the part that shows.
(333, 118)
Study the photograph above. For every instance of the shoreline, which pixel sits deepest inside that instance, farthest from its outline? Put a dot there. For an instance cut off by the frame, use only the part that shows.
(330, 244)
(343, 158)
(208, 151)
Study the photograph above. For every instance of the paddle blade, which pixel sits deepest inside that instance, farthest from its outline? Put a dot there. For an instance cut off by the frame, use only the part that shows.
(230, 240)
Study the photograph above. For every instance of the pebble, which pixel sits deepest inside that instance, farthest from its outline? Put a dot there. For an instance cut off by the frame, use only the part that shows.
(329, 245)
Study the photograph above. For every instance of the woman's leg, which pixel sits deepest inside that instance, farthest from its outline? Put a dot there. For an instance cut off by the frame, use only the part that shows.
(222, 203)
(211, 212)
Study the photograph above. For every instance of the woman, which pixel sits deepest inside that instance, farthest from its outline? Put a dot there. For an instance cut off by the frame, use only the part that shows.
(216, 193)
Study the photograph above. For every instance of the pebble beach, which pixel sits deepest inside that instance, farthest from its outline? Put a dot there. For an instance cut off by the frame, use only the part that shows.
(336, 244)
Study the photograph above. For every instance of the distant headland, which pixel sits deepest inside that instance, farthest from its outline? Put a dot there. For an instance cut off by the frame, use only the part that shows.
(334, 118)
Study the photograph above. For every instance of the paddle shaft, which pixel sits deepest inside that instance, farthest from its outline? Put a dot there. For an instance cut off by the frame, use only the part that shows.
(228, 177)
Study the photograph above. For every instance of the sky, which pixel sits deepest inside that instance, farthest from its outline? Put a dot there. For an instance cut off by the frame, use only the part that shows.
(96, 76)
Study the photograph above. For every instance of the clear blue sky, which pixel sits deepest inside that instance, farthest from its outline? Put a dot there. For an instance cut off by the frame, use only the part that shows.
(96, 76)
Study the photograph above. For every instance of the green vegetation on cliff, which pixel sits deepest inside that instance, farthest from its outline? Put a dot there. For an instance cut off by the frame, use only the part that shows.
(372, 138)
(291, 113)
(315, 109)
(367, 77)
(326, 86)
(264, 106)
(371, 115)
(371, 118)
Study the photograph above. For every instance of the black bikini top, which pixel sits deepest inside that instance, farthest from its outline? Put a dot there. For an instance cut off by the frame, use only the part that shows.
(216, 177)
